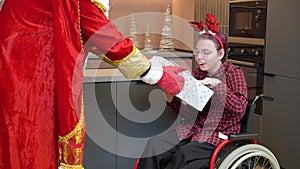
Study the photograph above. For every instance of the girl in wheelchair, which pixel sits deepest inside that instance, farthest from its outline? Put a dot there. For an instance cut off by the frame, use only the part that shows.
(191, 144)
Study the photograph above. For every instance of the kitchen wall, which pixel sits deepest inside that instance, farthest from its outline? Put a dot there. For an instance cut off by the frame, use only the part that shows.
(152, 12)
(145, 12)
(219, 8)
(185, 10)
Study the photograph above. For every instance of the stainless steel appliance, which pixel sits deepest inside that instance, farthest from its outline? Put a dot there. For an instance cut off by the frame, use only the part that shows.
(247, 21)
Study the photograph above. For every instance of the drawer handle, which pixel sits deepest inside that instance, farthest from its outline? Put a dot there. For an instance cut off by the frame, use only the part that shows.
(251, 64)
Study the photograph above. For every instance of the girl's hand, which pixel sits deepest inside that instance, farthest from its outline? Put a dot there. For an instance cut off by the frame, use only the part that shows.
(210, 82)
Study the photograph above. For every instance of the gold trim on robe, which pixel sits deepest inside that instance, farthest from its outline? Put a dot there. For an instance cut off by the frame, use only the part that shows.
(99, 5)
(65, 166)
(132, 65)
(71, 146)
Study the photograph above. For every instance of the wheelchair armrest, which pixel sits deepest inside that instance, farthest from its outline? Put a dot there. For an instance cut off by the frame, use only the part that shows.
(243, 136)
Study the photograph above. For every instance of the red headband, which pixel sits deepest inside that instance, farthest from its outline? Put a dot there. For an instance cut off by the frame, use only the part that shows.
(212, 26)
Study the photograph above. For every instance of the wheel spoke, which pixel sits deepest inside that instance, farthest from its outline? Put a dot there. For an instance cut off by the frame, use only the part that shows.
(266, 164)
(251, 156)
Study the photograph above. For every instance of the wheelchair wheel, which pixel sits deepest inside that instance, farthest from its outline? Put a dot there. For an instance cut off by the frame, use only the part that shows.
(250, 156)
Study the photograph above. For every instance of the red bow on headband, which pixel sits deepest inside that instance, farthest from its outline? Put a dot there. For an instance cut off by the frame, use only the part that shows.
(212, 26)
(210, 22)
(198, 26)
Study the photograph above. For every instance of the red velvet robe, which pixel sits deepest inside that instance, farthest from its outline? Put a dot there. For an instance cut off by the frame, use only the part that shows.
(41, 76)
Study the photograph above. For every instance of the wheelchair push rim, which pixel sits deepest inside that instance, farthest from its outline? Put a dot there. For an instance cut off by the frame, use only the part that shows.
(252, 156)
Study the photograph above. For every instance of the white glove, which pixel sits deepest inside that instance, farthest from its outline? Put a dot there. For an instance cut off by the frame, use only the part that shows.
(154, 74)
(166, 77)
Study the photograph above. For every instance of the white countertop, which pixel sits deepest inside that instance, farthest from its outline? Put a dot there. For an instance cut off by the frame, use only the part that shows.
(104, 75)
(99, 71)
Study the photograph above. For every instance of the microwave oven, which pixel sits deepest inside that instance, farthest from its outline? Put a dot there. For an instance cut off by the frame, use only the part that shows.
(247, 18)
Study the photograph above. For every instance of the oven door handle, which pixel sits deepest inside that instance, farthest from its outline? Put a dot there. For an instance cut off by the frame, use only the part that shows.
(244, 63)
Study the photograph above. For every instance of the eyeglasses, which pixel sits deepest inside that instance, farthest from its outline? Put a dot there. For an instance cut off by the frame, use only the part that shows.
(204, 53)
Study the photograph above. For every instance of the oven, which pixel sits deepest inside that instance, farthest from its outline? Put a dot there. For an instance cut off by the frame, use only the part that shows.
(247, 21)
(247, 18)
(246, 41)
(250, 58)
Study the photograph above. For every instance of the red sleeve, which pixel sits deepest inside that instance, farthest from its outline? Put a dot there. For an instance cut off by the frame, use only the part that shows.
(101, 36)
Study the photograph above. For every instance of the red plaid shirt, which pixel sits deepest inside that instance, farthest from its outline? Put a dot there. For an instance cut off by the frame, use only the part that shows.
(223, 112)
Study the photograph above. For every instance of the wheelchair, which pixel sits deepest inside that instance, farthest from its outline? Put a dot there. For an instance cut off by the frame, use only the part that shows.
(241, 151)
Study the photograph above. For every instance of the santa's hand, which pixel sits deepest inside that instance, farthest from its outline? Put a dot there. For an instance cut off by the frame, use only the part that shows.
(166, 77)
(171, 82)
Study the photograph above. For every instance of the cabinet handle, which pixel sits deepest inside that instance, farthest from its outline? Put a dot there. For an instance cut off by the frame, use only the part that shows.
(269, 74)
(243, 63)
(140, 82)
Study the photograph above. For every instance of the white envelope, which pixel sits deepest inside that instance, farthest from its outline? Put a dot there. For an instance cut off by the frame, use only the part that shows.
(193, 93)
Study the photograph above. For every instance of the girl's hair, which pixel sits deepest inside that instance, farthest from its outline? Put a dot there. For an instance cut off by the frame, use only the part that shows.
(211, 37)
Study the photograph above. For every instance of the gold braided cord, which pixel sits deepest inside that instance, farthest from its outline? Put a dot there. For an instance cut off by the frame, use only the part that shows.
(99, 5)
(79, 27)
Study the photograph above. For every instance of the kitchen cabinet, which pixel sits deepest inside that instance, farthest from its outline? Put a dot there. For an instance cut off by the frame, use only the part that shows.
(280, 130)
(122, 114)
(280, 122)
(120, 117)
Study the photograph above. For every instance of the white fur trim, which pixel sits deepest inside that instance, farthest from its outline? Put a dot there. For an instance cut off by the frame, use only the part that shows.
(202, 32)
(212, 33)
(154, 74)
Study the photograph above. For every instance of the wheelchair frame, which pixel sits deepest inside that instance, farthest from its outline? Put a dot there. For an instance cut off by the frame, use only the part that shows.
(245, 146)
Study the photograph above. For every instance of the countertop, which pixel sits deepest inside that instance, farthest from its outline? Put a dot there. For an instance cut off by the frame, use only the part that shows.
(104, 75)
(98, 71)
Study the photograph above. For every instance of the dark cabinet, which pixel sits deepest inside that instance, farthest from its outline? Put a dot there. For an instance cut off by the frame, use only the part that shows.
(99, 111)
(282, 81)
(120, 117)
(280, 125)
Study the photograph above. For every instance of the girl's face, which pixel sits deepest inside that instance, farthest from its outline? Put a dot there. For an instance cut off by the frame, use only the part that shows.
(207, 56)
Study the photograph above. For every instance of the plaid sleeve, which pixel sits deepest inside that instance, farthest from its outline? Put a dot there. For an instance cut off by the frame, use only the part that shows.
(233, 92)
